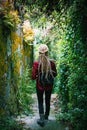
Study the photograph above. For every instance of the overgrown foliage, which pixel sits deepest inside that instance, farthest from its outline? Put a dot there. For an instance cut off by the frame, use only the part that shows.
(25, 89)
(9, 123)
(67, 40)
(72, 68)
(9, 20)
(69, 36)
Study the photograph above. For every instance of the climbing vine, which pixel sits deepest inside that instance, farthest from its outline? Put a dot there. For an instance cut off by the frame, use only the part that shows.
(66, 36)
(72, 67)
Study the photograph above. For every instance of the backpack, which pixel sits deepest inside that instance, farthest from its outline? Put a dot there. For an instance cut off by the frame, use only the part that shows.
(46, 81)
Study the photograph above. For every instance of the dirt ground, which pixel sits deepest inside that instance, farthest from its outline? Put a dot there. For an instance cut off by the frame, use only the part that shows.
(30, 122)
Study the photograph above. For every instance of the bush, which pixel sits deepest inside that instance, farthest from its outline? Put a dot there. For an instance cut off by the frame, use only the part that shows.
(9, 123)
(26, 88)
(72, 67)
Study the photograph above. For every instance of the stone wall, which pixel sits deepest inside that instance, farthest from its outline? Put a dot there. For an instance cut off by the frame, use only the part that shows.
(11, 67)
(15, 56)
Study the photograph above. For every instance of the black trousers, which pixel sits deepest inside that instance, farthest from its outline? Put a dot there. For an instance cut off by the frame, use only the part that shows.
(40, 96)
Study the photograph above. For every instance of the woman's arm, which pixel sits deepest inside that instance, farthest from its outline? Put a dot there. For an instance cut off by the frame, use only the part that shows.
(35, 70)
(54, 69)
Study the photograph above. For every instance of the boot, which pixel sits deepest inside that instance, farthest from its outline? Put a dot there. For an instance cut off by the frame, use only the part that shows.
(46, 117)
(41, 120)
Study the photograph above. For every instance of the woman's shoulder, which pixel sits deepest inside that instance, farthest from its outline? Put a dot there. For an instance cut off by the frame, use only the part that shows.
(35, 63)
(52, 61)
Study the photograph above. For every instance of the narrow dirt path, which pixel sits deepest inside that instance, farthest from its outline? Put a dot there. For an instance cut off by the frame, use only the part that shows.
(30, 122)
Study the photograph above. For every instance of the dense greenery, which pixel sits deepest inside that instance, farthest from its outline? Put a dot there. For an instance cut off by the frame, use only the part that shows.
(24, 93)
(9, 123)
(72, 67)
(62, 26)
(71, 57)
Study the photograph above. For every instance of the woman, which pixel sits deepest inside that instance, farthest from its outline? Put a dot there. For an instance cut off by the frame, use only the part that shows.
(44, 64)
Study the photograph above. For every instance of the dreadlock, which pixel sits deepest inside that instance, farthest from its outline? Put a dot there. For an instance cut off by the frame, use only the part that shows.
(44, 64)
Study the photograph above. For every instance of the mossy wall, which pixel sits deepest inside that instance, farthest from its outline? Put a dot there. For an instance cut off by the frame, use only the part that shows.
(3, 70)
(15, 56)
(10, 69)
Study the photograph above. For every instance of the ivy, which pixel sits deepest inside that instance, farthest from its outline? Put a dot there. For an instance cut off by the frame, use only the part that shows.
(72, 74)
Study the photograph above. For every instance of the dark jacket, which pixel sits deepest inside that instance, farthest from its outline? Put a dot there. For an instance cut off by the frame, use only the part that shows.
(35, 75)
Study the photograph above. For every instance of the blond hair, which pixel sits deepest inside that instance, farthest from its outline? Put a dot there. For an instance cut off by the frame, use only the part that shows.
(44, 61)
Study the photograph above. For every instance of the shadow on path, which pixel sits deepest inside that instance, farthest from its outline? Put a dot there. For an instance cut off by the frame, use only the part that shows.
(30, 122)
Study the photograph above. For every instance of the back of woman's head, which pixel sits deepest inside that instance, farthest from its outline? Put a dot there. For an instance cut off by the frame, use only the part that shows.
(44, 61)
(43, 48)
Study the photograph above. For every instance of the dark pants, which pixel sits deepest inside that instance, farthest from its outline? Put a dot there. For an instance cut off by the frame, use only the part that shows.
(41, 101)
